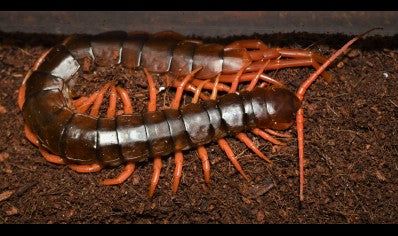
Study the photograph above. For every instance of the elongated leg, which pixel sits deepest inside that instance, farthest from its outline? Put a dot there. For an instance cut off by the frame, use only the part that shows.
(123, 94)
(21, 96)
(273, 132)
(90, 168)
(300, 143)
(261, 51)
(193, 89)
(51, 157)
(235, 82)
(99, 99)
(249, 143)
(253, 83)
(111, 112)
(180, 85)
(157, 167)
(157, 160)
(198, 91)
(127, 171)
(78, 102)
(231, 156)
(31, 136)
(179, 159)
(286, 63)
(129, 168)
(209, 85)
(204, 158)
(266, 136)
(87, 103)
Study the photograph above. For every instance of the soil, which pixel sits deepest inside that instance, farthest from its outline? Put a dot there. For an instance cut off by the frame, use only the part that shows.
(351, 151)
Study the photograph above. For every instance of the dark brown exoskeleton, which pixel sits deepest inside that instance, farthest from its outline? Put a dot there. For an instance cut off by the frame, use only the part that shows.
(65, 133)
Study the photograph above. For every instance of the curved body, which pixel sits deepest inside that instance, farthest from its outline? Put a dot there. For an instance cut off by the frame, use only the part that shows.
(83, 139)
(158, 53)
(54, 123)
(80, 138)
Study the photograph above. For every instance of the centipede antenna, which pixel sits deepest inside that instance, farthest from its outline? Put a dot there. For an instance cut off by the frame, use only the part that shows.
(300, 113)
(306, 84)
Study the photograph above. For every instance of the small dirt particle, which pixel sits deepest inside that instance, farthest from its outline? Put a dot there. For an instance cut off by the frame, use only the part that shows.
(5, 195)
(260, 217)
(4, 156)
(12, 211)
(3, 110)
(340, 65)
(380, 176)
(354, 53)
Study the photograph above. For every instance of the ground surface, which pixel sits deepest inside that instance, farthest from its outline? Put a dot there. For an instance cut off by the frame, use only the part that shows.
(351, 149)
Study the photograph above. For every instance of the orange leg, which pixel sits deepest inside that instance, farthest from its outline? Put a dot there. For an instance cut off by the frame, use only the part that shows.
(193, 89)
(127, 107)
(21, 96)
(99, 99)
(31, 136)
(286, 63)
(152, 91)
(204, 158)
(128, 170)
(249, 143)
(51, 158)
(172, 82)
(249, 77)
(273, 132)
(300, 140)
(209, 85)
(86, 168)
(261, 52)
(157, 167)
(111, 112)
(235, 81)
(87, 104)
(179, 159)
(198, 91)
(266, 136)
(254, 82)
(78, 102)
(231, 156)
(180, 85)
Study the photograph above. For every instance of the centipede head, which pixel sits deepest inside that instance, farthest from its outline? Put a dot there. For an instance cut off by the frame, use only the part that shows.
(275, 107)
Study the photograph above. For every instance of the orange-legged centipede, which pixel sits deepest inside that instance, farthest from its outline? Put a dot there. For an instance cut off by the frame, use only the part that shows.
(58, 125)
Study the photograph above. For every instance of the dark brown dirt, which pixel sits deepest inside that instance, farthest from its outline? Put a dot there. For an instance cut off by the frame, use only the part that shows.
(351, 148)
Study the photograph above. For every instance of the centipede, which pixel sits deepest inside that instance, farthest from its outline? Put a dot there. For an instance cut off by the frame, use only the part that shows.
(69, 130)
